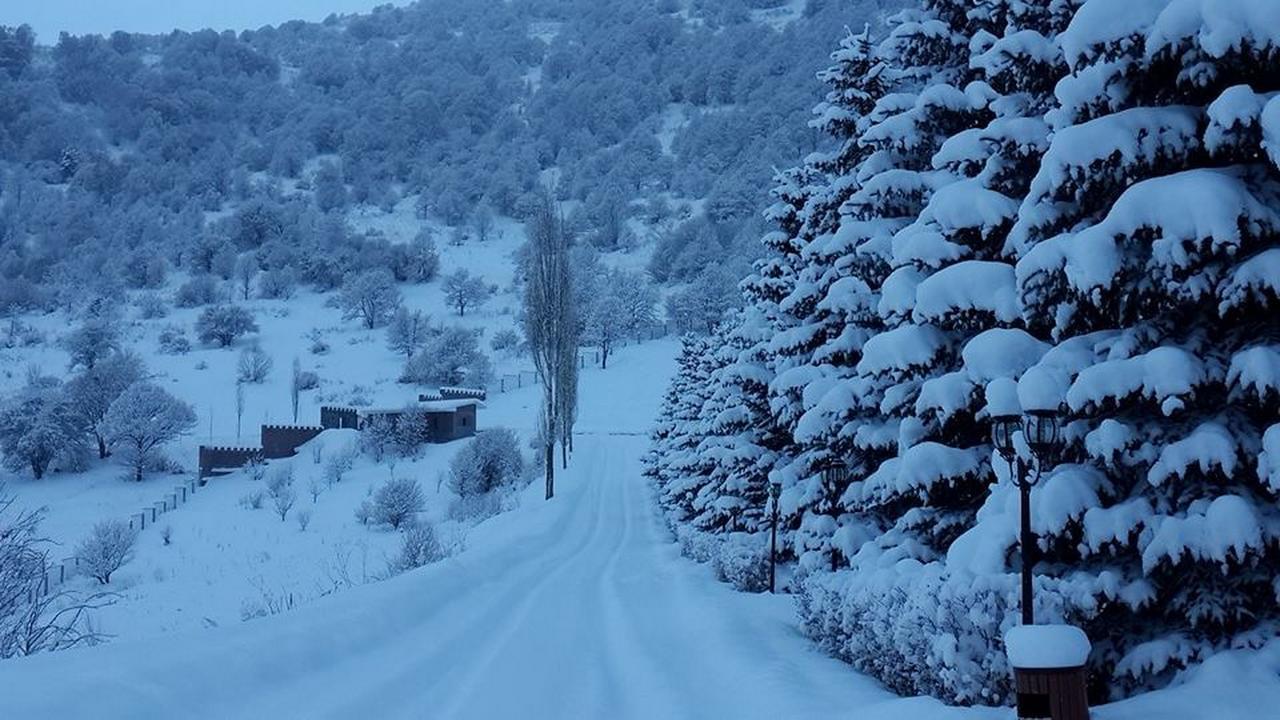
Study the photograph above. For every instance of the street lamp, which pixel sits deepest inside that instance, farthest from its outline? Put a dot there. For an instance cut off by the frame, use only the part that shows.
(775, 490)
(835, 475)
(1041, 430)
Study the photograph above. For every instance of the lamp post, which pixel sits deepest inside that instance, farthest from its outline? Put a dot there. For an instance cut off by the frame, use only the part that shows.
(1040, 429)
(835, 476)
(775, 489)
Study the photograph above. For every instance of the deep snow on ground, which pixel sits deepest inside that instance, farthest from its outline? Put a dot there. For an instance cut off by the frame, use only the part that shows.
(225, 559)
(578, 607)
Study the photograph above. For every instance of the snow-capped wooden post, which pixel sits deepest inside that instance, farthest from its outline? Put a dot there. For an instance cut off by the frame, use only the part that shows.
(1049, 671)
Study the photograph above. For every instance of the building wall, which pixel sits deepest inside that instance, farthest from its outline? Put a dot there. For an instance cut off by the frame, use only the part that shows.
(282, 441)
(225, 458)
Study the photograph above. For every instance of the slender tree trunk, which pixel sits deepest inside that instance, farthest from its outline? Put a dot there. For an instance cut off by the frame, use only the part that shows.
(551, 469)
(564, 454)
(102, 447)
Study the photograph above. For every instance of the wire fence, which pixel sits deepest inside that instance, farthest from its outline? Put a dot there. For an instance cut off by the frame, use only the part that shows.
(587, 357)
(58, 574)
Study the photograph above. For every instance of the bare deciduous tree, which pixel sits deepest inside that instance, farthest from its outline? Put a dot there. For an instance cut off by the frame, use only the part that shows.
(31, 619)
(551, 327)
(107, 549)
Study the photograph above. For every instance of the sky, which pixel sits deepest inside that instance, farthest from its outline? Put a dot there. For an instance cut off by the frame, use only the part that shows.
(50, 17)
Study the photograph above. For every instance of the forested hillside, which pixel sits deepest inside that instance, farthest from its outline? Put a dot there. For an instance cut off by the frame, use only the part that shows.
(655, 122)
(1067, 206)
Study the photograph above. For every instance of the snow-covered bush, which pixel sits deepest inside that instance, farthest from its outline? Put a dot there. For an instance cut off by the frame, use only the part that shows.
(397, 501)
(253, 500)
(506, 341)
(222, 324)
(318, 346)
(173, 340)
(107, 549)
(256, 468)
(95, 339)
(282, 500)
(152, 307)
(489, 461)
(304, 519)
(254, 365)
(338, 463)
(279, 479)
(364, 512)
(278, 283)
(196, 292)
(452, 357)
(742, 560)
(419, 546)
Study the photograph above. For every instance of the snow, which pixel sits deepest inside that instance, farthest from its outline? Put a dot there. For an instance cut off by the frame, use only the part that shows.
(1228, 526)
(968, 287)
(1046, 646)
(1270, 121)
(1216, 26)
(1102, 22)
(1002, 398)
(1253, 279)
(901, 349)
(1001, 353)
(1210, 447)
(1269, 458)
(578, 607)
(1164, 375)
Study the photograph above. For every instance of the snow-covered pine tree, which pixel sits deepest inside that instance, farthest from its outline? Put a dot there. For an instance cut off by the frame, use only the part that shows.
(1151, 252)
(739, 443)
(673, 462)
(965, 147)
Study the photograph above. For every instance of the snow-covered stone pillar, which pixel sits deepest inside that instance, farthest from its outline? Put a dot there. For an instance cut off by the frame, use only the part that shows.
(1049, 671)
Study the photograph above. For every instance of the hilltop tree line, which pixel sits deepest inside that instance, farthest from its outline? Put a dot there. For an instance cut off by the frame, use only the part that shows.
(1067, 205)
(124, 157)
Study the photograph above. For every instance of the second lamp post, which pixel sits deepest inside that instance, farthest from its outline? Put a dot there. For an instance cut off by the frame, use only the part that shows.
(1040, 430)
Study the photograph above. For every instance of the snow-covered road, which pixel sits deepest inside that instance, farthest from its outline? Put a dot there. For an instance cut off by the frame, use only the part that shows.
(576, 608)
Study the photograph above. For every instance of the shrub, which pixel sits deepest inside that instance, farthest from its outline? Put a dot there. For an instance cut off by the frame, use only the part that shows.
(304, 519)
(308, 380)
(283, 502)
(255, 364)
(397, 502)
(281, 479)
(278, 284)
(173, 341)
(364, 512)
(223, 324)
(451, 358)
(318, 344)
(256, 468)
(152, 306)
(505, 341)
(253, 501)
(743, 561)
(418, 547)
(198, 291)
(107, 549)
(490, 461)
